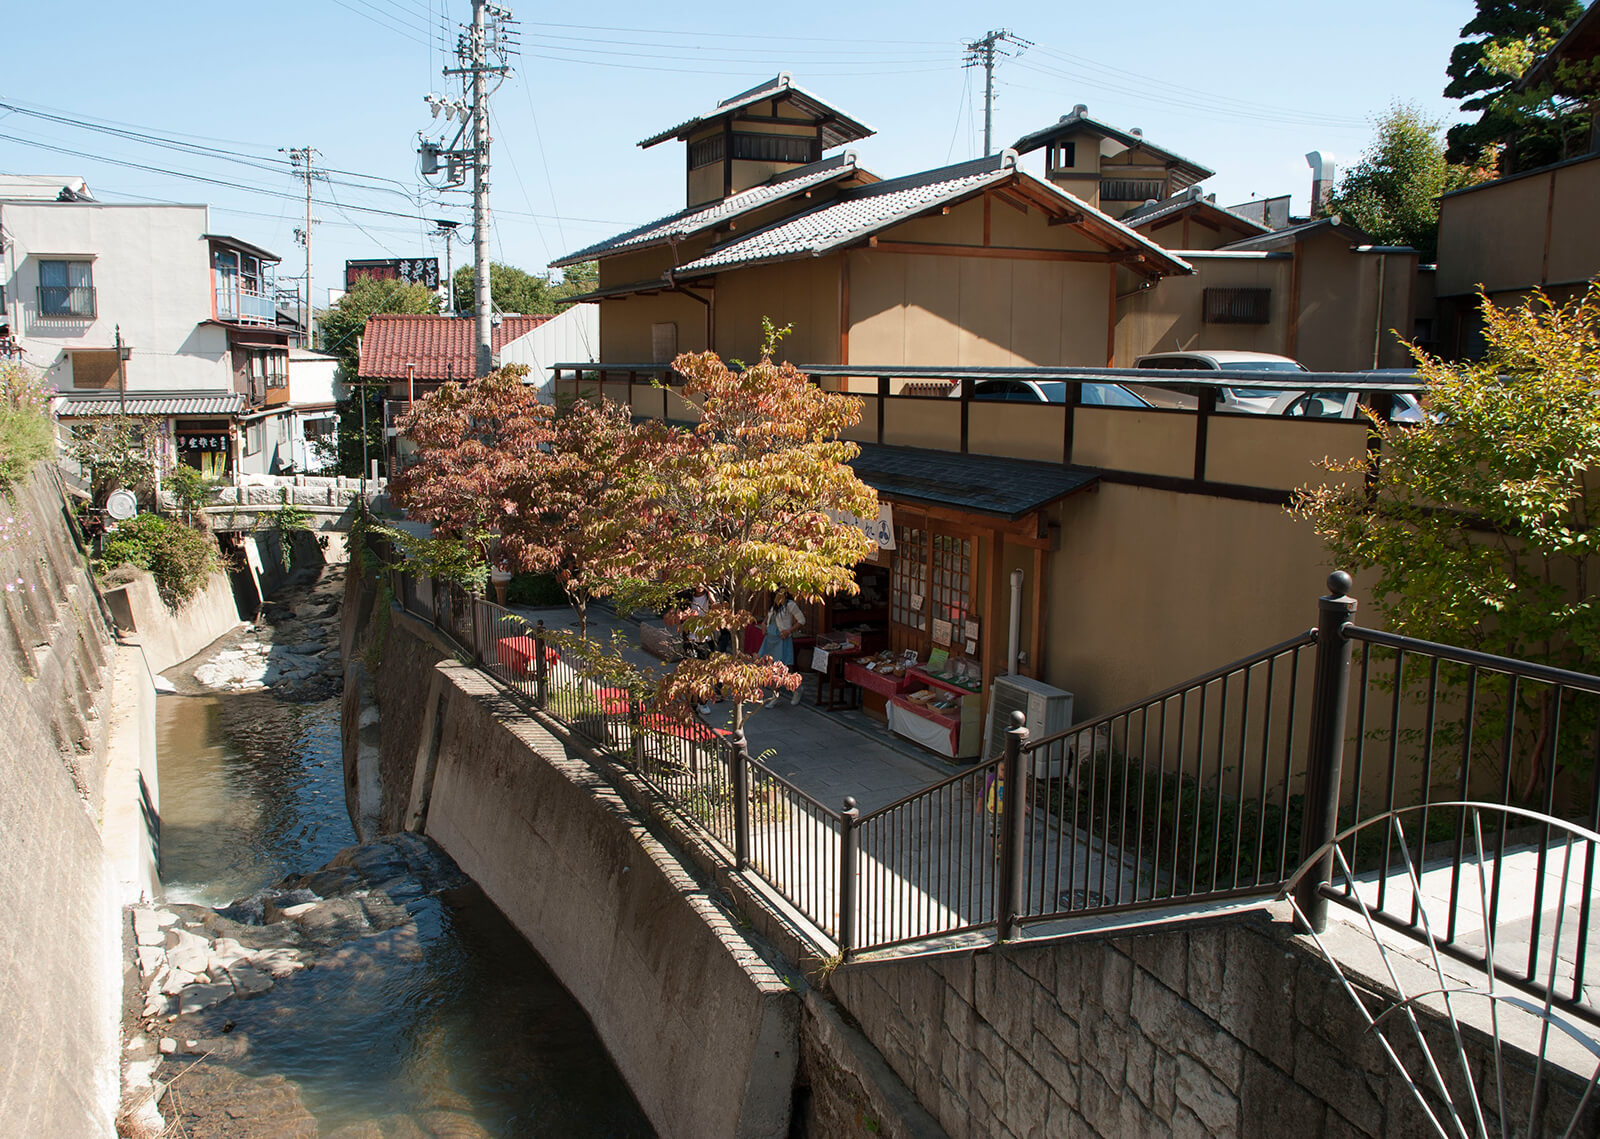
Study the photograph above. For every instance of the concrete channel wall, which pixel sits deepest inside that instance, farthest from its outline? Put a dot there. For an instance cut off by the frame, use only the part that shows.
(59, 928)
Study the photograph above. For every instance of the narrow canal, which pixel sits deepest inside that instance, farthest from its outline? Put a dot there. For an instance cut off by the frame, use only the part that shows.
(408, 1005)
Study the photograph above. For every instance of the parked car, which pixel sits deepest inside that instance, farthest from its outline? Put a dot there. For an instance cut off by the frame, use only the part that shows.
(1251, 400)
(1090, 393)
(1404, 406)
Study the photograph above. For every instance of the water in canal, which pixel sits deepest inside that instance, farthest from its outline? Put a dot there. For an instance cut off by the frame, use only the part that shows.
(463, 1022)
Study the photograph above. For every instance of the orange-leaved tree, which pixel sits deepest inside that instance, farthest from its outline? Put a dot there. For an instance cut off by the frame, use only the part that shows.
(475, 444)
(762, 498)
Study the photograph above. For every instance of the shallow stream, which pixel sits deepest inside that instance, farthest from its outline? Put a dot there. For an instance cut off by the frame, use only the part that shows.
(450, 1025)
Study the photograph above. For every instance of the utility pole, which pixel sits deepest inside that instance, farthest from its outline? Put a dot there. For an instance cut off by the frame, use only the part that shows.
(447, 230)
(480, 194)
(483, 50)
(982, 53)
(300, 157)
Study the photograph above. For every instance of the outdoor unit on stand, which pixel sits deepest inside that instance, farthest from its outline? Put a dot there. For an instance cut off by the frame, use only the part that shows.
(1048, 711)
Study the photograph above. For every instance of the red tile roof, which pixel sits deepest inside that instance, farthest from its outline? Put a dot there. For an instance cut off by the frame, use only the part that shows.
(441, 347)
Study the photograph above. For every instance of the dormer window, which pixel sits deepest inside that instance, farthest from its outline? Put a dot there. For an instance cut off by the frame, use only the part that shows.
(1063, 156)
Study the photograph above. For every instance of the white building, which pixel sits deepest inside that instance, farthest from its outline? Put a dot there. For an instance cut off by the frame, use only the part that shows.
(143, 310)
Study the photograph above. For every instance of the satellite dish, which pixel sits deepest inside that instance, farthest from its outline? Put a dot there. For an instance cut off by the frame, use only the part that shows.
(121, 505)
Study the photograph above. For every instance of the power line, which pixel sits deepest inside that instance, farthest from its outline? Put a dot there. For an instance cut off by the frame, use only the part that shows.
(722, 35)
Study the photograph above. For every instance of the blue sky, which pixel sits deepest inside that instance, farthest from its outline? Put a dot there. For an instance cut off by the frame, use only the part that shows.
(1246, 88)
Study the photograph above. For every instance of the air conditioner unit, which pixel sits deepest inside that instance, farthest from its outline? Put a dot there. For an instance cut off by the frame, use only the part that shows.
(1048, 711)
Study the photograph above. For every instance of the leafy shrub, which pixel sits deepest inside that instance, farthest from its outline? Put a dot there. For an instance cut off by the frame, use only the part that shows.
(179, 557)
(27, 433)
(189, 489)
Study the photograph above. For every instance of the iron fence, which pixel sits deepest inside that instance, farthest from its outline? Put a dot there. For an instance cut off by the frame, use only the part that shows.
(1245, 782)
(761, 822)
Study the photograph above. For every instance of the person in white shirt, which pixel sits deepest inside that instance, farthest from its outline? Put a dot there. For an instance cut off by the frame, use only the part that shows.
(784, 619)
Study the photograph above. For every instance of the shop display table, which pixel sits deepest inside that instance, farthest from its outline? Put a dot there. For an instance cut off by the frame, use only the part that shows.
(875, 687)
(955, 733)
(829, 664)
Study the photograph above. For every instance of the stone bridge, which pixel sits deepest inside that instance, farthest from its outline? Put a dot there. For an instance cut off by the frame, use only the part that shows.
(328, 501)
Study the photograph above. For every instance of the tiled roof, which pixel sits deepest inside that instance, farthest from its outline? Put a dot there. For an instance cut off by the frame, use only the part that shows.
(700, 218)
(838, 128)
(441, 347)
(1291, 234)
(1079, 120)
(858, 213)
(148, 403)
(1155, 211)
(1009, 488)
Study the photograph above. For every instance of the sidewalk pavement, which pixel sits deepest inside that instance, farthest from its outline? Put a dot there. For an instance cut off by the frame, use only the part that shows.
(828, 755)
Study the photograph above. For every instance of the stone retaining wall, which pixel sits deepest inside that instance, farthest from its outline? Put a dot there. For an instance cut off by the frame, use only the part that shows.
(168, 637)
(1226, 1027)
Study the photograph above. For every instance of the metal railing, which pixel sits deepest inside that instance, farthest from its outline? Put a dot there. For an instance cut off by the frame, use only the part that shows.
(759, 821)
(1235, 785)
(248, 304)
(67, 300)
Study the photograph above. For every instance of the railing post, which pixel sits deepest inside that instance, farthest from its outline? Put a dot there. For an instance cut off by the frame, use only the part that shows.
(1329, 704)
(741, 800)
(849, 847)
(540, 683)
(1013, 826)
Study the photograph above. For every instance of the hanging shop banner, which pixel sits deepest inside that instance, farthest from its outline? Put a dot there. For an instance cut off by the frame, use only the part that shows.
(879, 529)
(208, 441)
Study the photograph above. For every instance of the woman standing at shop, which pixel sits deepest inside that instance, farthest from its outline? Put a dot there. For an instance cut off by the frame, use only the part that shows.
(783, 618)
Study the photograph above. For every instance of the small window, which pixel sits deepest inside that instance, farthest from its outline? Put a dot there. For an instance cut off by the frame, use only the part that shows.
(1132, 190)
(253, 437)
(1238, 306)
(705, 151)
(776, 148)
(66, 288)
(664, 342)
(94, 368)
(1063, 155)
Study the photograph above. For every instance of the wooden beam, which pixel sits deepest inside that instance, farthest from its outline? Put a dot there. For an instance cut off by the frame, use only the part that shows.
(1015, 253)
(1111, 317)
(992, 607)
(985, 219)
(1020, 206)
(1292, 337)
(844, 308)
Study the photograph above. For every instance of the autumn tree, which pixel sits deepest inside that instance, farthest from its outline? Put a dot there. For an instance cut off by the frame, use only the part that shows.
(588, 507)
(476, 443)
(760, 498)
(1497, 47)
(1484, 523)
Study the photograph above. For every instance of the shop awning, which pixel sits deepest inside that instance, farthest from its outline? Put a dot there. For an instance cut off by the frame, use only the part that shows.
(150, 403)
(983, 484)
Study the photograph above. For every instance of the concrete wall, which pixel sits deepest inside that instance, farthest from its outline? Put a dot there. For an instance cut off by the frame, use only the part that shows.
(59, 937)
(169, 637)
(703, 1028)
(1228, 1028)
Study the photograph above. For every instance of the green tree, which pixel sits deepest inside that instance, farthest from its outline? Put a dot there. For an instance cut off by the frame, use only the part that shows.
(513, 290)
(1484, 521)
(1497, 46)
(1392, 192)
(341, 328)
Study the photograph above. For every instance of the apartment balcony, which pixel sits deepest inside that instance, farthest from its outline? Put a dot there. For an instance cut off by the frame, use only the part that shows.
(245, 303)
(67, 300)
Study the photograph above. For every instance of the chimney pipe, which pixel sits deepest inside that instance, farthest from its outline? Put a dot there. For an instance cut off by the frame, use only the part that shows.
(1323, 171)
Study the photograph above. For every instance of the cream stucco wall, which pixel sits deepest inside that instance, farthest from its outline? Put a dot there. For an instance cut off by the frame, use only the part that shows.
(1167, 317)
(152, 277)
